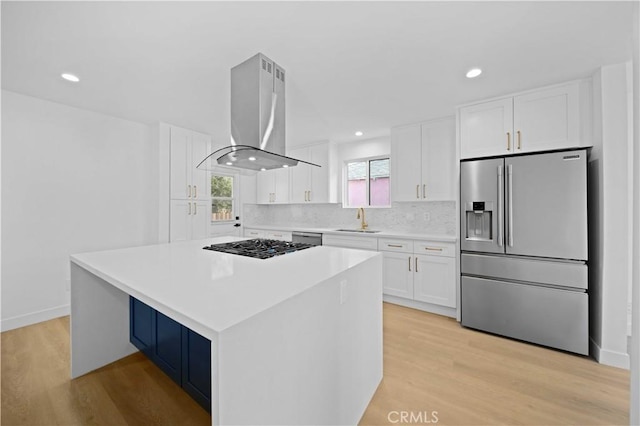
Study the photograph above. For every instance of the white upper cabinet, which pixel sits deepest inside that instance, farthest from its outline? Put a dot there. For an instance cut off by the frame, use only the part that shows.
(540, 120)
(272, 186)
(310, 184)
(423, 161)
(487, 129)
(547, 119)
(187, 149)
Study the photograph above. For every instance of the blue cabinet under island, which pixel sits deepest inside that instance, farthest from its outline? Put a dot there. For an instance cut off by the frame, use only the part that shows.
(183, 355)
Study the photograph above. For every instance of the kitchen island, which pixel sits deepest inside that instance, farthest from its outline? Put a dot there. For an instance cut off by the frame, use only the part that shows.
(295, 339)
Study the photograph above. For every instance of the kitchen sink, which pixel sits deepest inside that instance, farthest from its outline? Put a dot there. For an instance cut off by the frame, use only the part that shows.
(366, 231)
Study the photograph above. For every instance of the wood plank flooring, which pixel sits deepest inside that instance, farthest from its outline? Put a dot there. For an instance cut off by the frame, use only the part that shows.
(433, 368)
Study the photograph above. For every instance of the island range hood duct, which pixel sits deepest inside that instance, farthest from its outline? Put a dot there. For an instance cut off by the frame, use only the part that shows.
(257, 119)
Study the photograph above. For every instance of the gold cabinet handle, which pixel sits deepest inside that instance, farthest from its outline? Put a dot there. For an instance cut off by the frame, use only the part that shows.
(416, 264)
(189, 208)
(394, 245)
(195, 208)
(433, 248)
(508, 141)
(309, 195)
(418, 191)
(195, 191)
(519, 140)
(409, 263)
(424, 190)
(189, 191)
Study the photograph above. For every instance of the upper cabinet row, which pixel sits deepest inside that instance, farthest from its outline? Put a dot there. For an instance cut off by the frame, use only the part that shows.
(546, 119)
(301, 184)
(423, 161)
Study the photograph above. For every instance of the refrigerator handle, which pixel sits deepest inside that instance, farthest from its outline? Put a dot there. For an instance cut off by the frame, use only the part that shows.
(510, 204)
(500, 207)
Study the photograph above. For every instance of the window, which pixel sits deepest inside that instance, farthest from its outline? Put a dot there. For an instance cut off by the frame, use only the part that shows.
(367, 183)
(222, 197)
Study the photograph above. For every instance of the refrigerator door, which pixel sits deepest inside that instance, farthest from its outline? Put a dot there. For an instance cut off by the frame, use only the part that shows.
(542, 315)
(481, 202)
(546, 205)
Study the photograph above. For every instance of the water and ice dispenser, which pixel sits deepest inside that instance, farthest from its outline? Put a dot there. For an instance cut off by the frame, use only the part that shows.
(479, 220)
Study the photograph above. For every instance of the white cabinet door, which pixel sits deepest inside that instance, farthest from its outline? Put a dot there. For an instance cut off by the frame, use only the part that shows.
(180, 220)
(398, 274)
(434, 280)
(438, 159)
(406, 167)
(264, 187)
(300, 176)
(319, 181)
(487, 129)
(254, 233)
(278, 235)
(200, 219)
(281, 185)
(200, 179)
(547, 119)
(180, 155)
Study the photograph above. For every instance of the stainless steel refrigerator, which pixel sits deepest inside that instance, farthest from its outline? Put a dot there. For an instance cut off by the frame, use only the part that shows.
(524, 248)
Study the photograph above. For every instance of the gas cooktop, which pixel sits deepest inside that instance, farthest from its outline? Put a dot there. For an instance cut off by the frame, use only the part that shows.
(258, 248)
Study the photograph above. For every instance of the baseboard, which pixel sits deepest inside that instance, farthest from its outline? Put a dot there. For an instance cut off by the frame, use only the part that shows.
(607, 357)
(427, 307)
(34, 317)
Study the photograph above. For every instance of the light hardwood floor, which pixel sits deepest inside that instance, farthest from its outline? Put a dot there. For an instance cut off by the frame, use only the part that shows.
(431, 364)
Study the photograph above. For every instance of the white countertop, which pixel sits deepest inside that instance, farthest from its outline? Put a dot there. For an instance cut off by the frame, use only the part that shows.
(384, 233)
(215, 290)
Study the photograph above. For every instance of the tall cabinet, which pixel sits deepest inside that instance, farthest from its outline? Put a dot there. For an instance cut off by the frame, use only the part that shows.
(423, 161)
(185, 192)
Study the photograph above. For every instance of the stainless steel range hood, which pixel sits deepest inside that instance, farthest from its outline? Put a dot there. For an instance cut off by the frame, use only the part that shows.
(257, 119)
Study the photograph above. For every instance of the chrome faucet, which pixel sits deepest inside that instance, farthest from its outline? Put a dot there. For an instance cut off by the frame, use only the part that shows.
(363, 224)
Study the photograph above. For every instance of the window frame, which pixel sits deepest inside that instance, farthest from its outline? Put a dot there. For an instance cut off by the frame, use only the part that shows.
(233, 198)
(345, 181)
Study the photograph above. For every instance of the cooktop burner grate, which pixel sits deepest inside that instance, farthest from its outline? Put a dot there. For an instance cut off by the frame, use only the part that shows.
(258, 248)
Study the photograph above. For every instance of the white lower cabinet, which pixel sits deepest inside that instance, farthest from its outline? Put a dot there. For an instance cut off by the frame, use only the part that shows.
(397, 274)
(434, 280)
(349, 241)
(268, 234)
(189, 220)
(421, 271)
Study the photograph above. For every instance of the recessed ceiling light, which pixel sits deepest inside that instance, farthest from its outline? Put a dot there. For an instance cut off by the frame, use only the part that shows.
(285, 165)
(252, 158)
(70, 77)
(229, 163)
(474, 72)
(359, 133)
(263, 169)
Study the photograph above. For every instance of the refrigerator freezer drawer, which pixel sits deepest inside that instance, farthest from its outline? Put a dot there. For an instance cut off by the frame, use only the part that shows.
(542, 315)
(566, 274)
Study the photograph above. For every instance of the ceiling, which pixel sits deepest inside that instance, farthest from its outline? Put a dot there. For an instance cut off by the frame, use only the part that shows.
(351, 65)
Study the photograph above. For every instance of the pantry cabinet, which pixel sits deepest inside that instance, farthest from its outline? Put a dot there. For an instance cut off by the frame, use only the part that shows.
(187, 149)
(310, 184)
(189, 220)
(546, 119)
(184, 191)
(272, 186)
(423, 161)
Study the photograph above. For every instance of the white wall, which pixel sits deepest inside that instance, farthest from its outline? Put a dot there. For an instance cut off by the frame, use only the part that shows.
(72, 181)
(610, 210)
(634, 406)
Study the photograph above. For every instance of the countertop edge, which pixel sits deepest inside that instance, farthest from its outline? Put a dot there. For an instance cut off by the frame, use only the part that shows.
(383, 233)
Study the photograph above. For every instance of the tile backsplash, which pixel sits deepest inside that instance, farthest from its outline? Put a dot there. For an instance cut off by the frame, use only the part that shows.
(435, 217)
